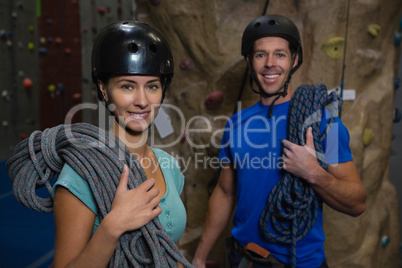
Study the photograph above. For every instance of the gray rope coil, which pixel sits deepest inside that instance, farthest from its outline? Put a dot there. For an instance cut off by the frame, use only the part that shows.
(98, 157)
(292, 206)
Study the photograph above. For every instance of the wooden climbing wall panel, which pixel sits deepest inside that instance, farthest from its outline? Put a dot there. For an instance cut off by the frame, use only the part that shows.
(59, 47)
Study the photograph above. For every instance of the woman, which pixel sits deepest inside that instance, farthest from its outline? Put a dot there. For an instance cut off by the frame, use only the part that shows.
(132, 67)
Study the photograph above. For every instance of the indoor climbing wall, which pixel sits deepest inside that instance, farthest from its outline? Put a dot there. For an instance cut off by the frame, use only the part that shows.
(45, 51)
(348, 45)
(19, 102)
(94, 15)
(59, 49)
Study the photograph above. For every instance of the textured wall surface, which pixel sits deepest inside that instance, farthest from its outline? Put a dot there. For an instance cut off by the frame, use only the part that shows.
(19, 106)
(205, 38)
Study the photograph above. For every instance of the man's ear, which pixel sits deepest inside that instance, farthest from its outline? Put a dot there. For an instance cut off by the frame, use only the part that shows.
(248, 60)
(102, 88)
(296, 61)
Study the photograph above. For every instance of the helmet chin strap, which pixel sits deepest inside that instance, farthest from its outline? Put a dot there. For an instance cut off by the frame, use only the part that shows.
(266, 95)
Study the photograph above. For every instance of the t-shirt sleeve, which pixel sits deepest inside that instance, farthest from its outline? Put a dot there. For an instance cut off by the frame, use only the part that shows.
(224, 151)
(336, 145)
(70, 180)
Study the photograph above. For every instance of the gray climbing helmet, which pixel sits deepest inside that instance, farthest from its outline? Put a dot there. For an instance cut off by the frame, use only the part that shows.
(272, 25)
(131, 47)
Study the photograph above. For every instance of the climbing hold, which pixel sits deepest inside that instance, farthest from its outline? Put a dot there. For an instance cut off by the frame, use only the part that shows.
(49, 21)
(20, 5)
(58, 40)
(334, 46)
(4, 95)
(4, 124)
(60, 88)
(76, 96)
(94, 30)
(19, 44)
(184, 135)
(23, 136)
(67, 51)
(397, 38)
(101, 10)
(50, 40)
(31, 28)
(27, 83)
(214, 100)
(155, 2)
(373, 30)
(384, 241)
(42, 40)
(212, 264)
(42, 51)
(31, 46)
(30, 121)
(3, 34)
(20, 73)
(51, 88)
(368, 136)
(187, 64)
(1, 11)
(85, 80)
(9, 43)
(85, 30)
(14, 15)
(397, 115)
(400, 23)
(397, 82)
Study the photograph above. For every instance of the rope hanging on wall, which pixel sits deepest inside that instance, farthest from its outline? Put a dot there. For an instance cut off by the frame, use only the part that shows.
(292, 205)
(94, 154)
(344, 55)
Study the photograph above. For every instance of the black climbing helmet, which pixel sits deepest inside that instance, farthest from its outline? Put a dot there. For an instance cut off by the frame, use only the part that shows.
(272, 25)
(131, 47)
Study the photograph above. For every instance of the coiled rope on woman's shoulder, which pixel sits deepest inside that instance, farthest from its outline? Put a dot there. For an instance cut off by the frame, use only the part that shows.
(98, 157)
(292, 205)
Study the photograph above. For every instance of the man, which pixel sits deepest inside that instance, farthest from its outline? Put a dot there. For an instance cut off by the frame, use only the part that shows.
(256, 154)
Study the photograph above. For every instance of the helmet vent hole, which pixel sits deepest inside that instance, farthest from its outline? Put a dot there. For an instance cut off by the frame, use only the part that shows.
(272, 22)
(257, 25)
(132, 48)
(153, 48)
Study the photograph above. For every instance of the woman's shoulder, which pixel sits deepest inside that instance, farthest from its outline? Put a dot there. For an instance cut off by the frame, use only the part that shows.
(71, 180)
(68, 176)
(170, 168)
(163, 156)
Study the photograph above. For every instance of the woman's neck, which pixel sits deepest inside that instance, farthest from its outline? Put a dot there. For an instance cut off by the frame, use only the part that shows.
(136, 142)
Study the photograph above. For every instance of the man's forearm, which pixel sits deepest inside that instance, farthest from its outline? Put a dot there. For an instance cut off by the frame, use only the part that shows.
(220, 209)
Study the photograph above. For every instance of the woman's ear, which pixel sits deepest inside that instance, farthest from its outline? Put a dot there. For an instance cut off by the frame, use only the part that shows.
(102, 88)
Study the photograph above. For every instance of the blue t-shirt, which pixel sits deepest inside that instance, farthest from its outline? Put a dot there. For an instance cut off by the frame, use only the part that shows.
(251, 143)
(173, 217)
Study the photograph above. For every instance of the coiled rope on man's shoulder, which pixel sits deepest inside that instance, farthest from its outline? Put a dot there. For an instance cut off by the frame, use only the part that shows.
(98, 157)
(292, 205)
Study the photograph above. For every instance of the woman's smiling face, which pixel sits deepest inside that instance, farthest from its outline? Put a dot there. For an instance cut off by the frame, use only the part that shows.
(134, 100)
